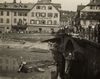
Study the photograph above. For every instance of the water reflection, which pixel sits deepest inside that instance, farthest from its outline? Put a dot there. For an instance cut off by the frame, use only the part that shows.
(7, 78)
(12, 78)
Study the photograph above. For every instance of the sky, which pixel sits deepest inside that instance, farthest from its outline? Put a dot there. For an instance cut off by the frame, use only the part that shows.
(70, 5)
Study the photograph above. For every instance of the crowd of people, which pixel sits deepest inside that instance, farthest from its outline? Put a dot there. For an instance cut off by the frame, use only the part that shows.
(89, 33)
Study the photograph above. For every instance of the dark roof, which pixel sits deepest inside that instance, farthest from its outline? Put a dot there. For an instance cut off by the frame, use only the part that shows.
(94, 3)
(80, 7)
(14, 6)
(56, 5)
(65, 15)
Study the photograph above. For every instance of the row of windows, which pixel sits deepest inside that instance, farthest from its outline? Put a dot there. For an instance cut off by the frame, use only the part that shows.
(20, 20)
(8, 20)
(38, 14)
(44, 7)
(95, 7)
(2, 13)
(49, 22)
(2, 20)
(20, 14)
(15, 13)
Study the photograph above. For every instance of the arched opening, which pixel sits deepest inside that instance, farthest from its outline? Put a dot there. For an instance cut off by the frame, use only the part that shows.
(69, 48)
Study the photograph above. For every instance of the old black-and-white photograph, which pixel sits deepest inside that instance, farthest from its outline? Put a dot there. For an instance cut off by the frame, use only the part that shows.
(49, 39)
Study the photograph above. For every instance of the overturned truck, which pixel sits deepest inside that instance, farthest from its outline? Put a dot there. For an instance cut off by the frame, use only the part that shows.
(76, 58)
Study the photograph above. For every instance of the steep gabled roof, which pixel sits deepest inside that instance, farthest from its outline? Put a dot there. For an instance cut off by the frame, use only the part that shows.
(80, 7)
(94, 3)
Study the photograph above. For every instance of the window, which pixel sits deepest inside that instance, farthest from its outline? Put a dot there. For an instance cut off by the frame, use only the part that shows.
(50, 15)
(0, 61)
(44, 7)
(43, 22)
(0, 68)
(1, 20)
(20, 6)
(15, 6)
(32, 21)
(7, 27)
(55, 22)
(14, 62)
(7, 13)
(15, 14)
(38, 7)
(7, 62)
(25, 14)
(38, 14)
(84, 22)
(15, 20)
(1, 12)
(24, 19)
(25, 6)
(49, 7)
(32, 14)
(92, 7)
(37, 22)
(20, 22)
(55, 15)
(7, 21)
(43, 14)
(6, 68)
(19, 14)
(49, 22)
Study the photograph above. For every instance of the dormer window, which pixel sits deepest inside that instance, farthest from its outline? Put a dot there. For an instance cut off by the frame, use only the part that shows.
(92, 7)
(5, 6)
(44, 7)
(15, 5)
(20, 6)
(25, 6)
(49, 7)
(38, 7)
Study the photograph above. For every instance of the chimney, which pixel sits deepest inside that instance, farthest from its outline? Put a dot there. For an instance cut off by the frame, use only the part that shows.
(14, 1)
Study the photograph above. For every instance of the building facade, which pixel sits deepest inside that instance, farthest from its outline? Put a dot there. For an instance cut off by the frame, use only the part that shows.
(41, 16)
(44, 17)
(89, 14)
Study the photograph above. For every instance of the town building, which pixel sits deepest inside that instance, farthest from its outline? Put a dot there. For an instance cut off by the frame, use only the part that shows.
(44, 16)
(41, 16)
(89, 14)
